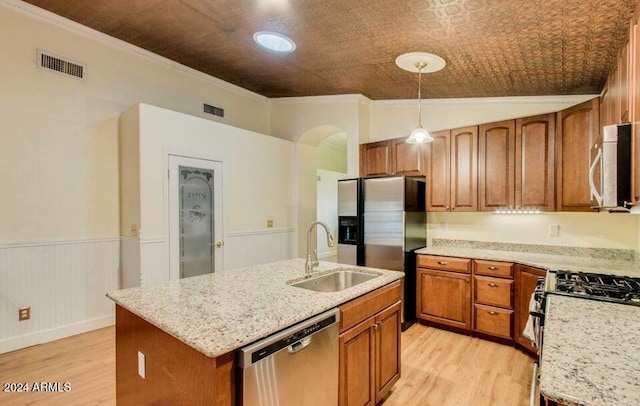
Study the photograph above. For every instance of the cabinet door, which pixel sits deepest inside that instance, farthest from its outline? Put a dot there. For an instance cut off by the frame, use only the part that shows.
(438, 172)
(606, 105)
(496, 165)
(376, 159)
(357, 365)
(634, 96)
(623, 84)
(409, 158)
(526, 280)
(578, 126)
(535, 162)
(444, 297)
(387, 350)
(464, 169)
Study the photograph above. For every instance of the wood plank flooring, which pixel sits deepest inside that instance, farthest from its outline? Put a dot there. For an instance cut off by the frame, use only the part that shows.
(439, 368)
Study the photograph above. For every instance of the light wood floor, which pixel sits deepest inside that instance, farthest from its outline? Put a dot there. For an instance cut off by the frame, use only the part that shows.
(439, 368)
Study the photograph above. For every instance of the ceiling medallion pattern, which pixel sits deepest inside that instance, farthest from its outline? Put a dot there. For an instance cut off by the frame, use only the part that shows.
(492, 48)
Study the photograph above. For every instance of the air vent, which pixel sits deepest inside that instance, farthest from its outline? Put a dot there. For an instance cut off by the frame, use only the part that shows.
(59, 65)
(216, 111)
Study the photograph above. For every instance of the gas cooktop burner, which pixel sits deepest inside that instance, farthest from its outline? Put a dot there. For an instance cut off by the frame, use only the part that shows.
(612, 288)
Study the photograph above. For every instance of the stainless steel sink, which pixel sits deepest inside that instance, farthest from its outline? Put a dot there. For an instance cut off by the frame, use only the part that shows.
(335, 281)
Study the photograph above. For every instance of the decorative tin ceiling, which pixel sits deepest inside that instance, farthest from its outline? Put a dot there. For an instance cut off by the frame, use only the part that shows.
(492, 47)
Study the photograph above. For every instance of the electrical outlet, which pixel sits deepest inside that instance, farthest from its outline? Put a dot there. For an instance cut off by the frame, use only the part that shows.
(24, 313)
(134, 230)
(142, 365)
(269, 223)
(443, 225)
(554, 230)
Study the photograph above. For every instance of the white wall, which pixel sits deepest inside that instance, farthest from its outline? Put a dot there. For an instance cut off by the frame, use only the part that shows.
(59, 160)
(594, 230)
(328, 209)
(256, 176)
(397, 118)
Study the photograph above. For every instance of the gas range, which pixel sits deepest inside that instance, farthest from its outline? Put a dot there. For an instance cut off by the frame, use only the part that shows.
(608, 288)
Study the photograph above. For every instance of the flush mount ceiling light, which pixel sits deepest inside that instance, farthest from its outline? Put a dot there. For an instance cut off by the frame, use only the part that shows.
(420, 62)
(274, 41)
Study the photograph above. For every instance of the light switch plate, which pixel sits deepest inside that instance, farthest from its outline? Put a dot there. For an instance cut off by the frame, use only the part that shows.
(142, 368)
(554, 230)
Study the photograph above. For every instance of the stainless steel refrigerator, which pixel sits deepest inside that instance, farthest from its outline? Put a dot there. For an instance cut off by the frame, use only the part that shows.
(381, 222)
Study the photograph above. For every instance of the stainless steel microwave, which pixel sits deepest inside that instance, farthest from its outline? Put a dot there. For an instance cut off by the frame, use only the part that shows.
(610, 170)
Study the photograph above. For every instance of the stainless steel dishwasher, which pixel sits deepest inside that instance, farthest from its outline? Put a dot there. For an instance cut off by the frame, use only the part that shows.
(297, 366)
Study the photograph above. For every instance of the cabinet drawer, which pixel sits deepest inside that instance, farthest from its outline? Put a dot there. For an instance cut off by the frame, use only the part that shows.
(444, 263)
(492, 320)
(359, 309)
(493, 291)
(494, 268)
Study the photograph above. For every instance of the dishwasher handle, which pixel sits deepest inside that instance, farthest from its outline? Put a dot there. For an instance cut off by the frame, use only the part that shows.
(299, 346)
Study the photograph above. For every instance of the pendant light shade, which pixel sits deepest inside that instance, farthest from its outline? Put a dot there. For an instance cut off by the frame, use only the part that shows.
(420, 62)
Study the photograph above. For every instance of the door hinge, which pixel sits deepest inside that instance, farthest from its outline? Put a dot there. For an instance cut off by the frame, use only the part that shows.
(168, 173)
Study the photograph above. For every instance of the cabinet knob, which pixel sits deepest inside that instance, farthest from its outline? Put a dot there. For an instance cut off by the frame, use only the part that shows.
(447, 208)
(453, 208)
(493, 285)
(219, 244)
(443, 263)
(493, 268)
(491, 312)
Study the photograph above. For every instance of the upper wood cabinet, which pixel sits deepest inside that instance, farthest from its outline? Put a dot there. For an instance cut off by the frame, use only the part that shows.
(376, 159)
(392, 157)
(535, 162)
(409, 159)
(496, 160)
(451, 173)
(578, 126)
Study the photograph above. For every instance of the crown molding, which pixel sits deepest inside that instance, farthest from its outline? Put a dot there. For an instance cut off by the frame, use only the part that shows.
(338, 98)
(62, 22)
(553, 99)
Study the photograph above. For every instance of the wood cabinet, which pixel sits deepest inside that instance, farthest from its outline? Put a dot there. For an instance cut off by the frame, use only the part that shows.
(443, 296)
(376, 159)
(493, 298)
(369, 345)
(535, 162)
(526, 279)
(496, 165)
(577, 128)
(516, 162)
(451, 171)
(392, 157)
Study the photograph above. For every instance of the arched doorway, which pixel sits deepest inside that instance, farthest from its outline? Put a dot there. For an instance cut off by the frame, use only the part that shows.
(322, 160)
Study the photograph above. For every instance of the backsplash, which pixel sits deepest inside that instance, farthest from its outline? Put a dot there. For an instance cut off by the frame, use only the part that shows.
(600, 253)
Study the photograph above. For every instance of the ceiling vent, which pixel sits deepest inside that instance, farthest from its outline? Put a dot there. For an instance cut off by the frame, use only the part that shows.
(56, 64)
(216, 111)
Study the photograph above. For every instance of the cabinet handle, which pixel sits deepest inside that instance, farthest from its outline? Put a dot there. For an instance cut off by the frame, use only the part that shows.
(493, 285)
(493, 268)
(443, 263)
(376, 326)
(491, 312)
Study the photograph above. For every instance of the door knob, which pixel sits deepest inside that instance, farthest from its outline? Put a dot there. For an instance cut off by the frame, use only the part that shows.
(219, 244)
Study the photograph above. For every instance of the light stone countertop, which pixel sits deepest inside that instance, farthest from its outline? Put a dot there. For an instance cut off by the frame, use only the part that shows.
(576, 263)
(591, 352)
(222, 312)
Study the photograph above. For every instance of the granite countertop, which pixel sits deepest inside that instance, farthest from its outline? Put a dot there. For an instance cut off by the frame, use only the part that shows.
(221, 312)
(591, 352)
(573, 260)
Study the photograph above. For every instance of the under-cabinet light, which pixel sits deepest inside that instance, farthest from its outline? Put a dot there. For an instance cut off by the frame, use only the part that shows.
(517, 210)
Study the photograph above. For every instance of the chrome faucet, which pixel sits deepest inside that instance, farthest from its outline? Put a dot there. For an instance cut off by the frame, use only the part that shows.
(313, 261)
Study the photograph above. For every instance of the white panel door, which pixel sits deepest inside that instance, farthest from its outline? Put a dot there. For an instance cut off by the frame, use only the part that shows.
(196, 243)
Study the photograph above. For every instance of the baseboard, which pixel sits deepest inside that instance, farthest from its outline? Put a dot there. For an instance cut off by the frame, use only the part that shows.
(41, 337)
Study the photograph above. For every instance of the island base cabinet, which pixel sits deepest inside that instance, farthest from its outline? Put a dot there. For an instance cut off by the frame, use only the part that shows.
(175, 374)
(370, 358)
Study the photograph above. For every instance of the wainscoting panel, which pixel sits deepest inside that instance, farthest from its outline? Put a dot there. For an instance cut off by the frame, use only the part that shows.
(154, 265)
(64, 283)
(258, 247)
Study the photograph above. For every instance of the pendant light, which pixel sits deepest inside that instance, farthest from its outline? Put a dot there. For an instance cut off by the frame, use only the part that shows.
(420, 62)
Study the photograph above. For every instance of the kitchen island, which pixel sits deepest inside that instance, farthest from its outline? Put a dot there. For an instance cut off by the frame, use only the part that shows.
(189, 330)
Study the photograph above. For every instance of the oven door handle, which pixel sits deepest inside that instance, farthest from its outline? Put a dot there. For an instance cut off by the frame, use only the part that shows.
(536, 314)
(534, 381)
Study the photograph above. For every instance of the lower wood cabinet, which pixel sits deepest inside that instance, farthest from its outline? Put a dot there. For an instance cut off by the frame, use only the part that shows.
(444, 297)
(370, 349)
(526, 281)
